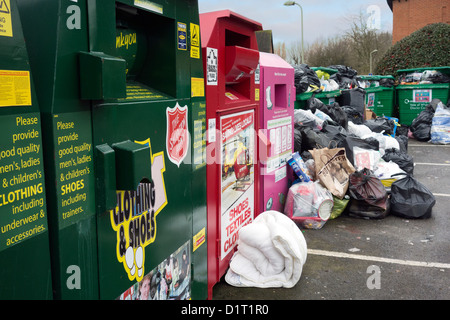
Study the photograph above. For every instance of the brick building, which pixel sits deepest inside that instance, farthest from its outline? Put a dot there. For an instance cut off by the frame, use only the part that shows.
(412, 15)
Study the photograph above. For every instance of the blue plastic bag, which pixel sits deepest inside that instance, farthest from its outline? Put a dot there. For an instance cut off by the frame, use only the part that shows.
(440, 125)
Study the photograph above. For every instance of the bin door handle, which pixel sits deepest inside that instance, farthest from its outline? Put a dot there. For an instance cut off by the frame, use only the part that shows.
(133, 164)
(105, 178)
(121, 166)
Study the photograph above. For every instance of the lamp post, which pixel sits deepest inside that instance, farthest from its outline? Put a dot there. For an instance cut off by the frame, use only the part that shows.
(291, 3)
(371, 59)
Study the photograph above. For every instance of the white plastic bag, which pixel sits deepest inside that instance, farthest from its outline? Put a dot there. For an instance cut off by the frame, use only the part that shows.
(385, 170)
(305, 115)
(322, 115)
(365, 158)
(359, 130)
(391, 143)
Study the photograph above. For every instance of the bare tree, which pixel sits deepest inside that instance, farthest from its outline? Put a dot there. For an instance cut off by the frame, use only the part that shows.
(365, 40)
(332, 51)
(280, 49)
(294, 53)
(352, 48)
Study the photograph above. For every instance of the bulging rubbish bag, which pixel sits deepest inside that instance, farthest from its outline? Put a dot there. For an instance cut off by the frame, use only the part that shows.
(411, 199)
(309, 204)
(368, 196)
(381, 125)
(404, 160)
(339, 206)
(305, 79)
(421, 125)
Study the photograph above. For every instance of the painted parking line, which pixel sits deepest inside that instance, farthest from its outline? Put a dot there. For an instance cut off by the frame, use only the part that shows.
(431, 164)
(429, 145)
(379, 259)
(441, 195)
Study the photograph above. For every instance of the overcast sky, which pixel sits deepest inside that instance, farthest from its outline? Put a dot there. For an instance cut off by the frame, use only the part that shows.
(321, 18)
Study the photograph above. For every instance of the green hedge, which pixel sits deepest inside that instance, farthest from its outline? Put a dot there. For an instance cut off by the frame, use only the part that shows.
(427, 47)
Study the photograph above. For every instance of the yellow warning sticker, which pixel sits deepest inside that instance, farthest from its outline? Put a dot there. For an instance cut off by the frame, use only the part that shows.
(15, 88)
(198, 239)
(195, 35)
(5, 19)
(197, 87)
(195, 52)
(195, 40)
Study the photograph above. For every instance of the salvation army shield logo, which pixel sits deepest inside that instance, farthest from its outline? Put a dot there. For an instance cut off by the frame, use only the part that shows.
(177, 138)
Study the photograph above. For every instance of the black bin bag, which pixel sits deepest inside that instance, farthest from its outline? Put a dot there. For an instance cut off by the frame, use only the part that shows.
(404, 160)
(368, 196)
(411, 199)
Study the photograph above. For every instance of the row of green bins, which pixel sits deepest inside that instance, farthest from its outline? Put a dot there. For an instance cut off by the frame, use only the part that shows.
(379, 99)
(327, 97)
(412, 99)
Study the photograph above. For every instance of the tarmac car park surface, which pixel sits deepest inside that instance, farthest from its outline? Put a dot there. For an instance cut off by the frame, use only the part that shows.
(388, 259)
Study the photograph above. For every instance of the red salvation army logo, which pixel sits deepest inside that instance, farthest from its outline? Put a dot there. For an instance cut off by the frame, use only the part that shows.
(177, 139)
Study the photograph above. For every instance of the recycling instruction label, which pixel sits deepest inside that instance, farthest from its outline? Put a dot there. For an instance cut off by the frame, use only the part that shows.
(15, 88)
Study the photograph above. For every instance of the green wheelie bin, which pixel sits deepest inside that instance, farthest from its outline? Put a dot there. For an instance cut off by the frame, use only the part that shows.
(379, 99)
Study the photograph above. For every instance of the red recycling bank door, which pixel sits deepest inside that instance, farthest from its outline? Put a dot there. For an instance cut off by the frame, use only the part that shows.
(237, 147)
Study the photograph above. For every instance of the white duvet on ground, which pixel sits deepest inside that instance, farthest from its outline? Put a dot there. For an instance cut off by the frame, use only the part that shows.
(271, 253)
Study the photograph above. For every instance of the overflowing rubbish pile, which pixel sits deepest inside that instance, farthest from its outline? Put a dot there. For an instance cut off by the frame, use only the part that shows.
(346, 161)
(375, 81)
(346, 164)
(423, 77)
(306, 79)
(323, 79)
(346, 77)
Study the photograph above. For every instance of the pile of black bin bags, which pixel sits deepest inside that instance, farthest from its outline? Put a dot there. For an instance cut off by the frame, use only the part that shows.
(383, 182)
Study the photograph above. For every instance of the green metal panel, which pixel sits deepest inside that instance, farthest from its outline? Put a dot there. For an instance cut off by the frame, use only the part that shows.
(24, 239)
(164, 83)
(54, 44)
(328, 97)
(155, 47)
(381, 100)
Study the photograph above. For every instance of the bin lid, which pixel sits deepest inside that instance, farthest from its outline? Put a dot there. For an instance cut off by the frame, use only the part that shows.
(273, 60)
(376, 77)
(445, 69)
(423, 86)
